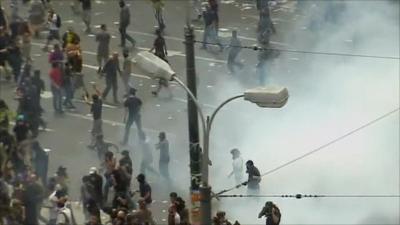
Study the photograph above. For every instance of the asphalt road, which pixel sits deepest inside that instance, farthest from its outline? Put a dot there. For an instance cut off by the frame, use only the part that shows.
(68, 134)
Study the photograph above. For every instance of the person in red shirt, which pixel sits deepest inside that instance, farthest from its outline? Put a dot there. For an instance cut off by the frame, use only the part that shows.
(56, 85)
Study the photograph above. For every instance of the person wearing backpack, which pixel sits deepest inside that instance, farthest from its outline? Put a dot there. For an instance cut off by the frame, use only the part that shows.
(271, 213)
(54, 21)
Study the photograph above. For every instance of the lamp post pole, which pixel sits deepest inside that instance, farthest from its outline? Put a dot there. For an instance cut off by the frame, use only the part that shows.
(194, 146)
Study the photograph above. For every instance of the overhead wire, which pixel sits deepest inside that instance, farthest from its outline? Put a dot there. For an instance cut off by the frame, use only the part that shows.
(257, 48)
(315, 150)
(300, 196)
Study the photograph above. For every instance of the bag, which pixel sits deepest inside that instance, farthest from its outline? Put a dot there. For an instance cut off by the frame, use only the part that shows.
(58, 21)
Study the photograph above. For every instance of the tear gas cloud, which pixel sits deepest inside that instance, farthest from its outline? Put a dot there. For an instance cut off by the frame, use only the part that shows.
(329, 96)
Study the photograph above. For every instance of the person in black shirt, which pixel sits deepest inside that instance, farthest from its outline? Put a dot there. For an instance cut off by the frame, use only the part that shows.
(96, 181)
(211, 28)
(159, 46)
(126, 162)
(144, 189)
(132, 104)
(4, 43)
(110, 69)
(253, 181)
(160, 51)
(96, 108)
(86, 13)
(21, 129)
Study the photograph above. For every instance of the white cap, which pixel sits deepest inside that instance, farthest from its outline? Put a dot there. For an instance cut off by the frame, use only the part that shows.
(92, 170)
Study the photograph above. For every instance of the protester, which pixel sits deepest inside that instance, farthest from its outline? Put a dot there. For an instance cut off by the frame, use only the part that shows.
(163, 147)
(254, 177)
(26, 34)
(132, 106)
(144, 189)
(147, 155)
(143, 215)
(36, 17)
(235, 47)
(126, 71)
(220, 219)
(96, 108)
(70, 38)
(211, 28)
(103, 48)
(271, 213)
(87, 14)
(158, 6)
(55, 75)
(110, 70)
(6, 115)
(54, 21)
(56, 55)
(124, 21)
(68, 86)
(237, 166)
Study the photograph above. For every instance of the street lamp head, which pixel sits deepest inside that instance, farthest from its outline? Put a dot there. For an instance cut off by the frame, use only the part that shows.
(268, 97)
(156, 67)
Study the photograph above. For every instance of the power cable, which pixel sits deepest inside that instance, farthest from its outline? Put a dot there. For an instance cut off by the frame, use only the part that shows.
(300, 196)
(315, 150)
(256, 48)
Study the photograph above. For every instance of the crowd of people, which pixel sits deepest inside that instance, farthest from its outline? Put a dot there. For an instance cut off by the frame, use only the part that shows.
(25, 188)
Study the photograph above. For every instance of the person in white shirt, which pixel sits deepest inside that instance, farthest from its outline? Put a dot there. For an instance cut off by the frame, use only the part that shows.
(64, 213)
(53, 199)
(54, 22)
(173, 217)
(237, 165)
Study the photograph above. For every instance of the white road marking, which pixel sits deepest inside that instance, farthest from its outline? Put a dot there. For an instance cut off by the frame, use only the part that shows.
(114, 123)
(105, 105)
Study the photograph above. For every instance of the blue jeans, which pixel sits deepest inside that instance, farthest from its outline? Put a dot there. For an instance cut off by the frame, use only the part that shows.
(69, 94)
(210, 32)
(57, 98)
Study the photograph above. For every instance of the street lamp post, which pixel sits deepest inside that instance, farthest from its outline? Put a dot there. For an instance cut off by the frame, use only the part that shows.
(267, 97)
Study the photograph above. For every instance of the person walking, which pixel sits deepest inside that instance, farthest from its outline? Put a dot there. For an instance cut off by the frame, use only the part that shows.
(103, 47)
(163, 147)
(110, 70)
(234, 49)
(56, 87)
(36, 16)
(126, 71)
(237, 166)
(54, 21)
(211, 28)
(124, 21)
(68, 87)
(96, 108)
(26, 35)
(254, 177)
(147, 155)
(87, 14)
(96, 181)
(132, 106)
(158, 6)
